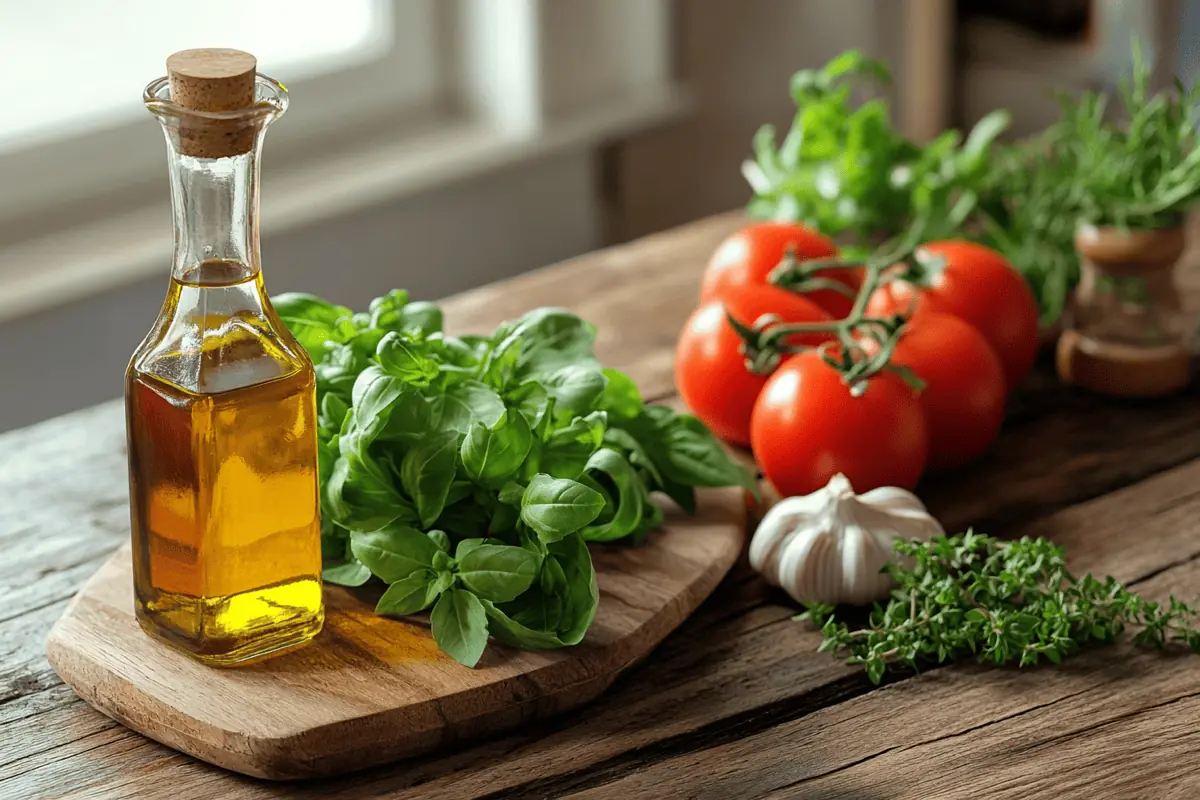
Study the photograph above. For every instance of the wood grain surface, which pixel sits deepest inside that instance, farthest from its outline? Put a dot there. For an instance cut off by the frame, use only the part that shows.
(371, 690)
(736, 702)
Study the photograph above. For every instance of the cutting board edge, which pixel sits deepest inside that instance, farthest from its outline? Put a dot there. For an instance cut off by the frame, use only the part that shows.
(274, 757)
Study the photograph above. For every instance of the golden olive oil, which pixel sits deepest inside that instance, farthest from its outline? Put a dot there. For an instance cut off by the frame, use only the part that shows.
(223, 485)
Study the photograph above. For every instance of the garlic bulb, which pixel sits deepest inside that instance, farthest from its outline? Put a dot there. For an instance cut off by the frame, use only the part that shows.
(829, 546)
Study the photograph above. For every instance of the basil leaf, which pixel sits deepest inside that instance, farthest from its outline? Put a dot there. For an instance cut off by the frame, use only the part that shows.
(443, 581)
(464, 520)
(631, 497)
(557, 507)
(541, 620)
(582, 591)
(460, 628)
(401, 357)
(652, 518)
(621, 397)
(333, 412)
(331, 492)
(407, 595)
(440, 539)
(421, 316)
(385, 312)
(360, 496)
(466, 546)
(566, 452)
(464, 403)
(546, 613)
(346, 573)
(625, 442)
(364, 343)
(683, 494)
(532, 400)
(456, 353)
(339, 368)
(500, 364)
(552, 338)
(374, 395)
(511, 494)
(512, 633)
(692, 455)
(394, 553)
(426, 474)
(410, 419)
(498, 573)
(307, 306)
(576, 389)
(309, 318)
(491, 455)
(684, 452)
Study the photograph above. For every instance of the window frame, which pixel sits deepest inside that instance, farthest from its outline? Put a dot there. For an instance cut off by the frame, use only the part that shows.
(499, 98)
(99, 164)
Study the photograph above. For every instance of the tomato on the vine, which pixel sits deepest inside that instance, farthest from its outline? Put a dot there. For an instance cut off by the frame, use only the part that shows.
(710, 369)
(749, 256)
(975, 284)
(965, 388)
(808, 426)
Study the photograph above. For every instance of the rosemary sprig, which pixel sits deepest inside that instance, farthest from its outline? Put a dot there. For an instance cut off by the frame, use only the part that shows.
(1003, 602)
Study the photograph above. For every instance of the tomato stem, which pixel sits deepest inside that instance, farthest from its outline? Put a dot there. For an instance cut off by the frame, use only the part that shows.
(765, 342)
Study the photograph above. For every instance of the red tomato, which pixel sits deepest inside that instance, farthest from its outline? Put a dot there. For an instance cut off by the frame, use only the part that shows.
(710, 370)
(807, 427)
(748, 257)
(978, 285)
(965, 388)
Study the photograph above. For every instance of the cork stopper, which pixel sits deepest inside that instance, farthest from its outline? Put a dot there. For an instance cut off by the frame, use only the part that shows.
(213, 80)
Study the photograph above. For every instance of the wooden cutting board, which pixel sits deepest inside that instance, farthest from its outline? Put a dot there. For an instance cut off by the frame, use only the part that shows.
(369, 689)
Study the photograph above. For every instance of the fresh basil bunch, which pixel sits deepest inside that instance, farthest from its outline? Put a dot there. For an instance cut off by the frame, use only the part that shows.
(468, 473)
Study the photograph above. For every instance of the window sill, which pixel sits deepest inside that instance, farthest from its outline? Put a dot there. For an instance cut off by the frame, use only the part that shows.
(71, 264)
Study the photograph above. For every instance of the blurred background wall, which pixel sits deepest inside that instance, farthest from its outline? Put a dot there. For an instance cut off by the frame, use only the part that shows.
(438, 145)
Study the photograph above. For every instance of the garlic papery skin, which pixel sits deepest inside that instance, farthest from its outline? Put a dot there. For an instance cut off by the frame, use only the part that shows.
(830, 546)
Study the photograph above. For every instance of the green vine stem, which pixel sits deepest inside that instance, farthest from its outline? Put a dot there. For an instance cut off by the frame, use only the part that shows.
(765, 341)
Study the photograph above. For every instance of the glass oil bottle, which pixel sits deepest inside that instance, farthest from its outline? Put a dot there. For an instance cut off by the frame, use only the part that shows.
(220, 398)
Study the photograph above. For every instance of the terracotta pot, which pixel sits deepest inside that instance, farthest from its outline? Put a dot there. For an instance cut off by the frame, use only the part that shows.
(1125, 330)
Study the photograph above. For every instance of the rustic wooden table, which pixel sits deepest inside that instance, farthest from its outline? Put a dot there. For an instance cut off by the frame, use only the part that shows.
(737, 703)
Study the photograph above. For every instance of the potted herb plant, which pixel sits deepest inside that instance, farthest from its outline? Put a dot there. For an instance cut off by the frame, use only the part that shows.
(1132, 183)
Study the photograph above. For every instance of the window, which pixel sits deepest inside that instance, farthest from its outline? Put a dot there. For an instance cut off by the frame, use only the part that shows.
(65, 97)
(388, 97)
(74, 129)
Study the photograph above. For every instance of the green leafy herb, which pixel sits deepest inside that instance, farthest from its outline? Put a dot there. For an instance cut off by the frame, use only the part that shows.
(1143, 170)
(466, 473)
(844, 168)
(498, 573)
(557, 507)
(310, 319)
(394, 553)
(491, 455)
(460, 626)
(1002, 602)
(427, 472)
(409, 595)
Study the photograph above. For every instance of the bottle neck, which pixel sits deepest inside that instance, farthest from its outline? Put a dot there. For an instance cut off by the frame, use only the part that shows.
(215, 203)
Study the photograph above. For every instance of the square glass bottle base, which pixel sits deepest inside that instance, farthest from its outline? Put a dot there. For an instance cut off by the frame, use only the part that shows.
(236, 629)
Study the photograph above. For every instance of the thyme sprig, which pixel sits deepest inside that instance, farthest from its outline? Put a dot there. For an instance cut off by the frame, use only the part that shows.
(1002, 602)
